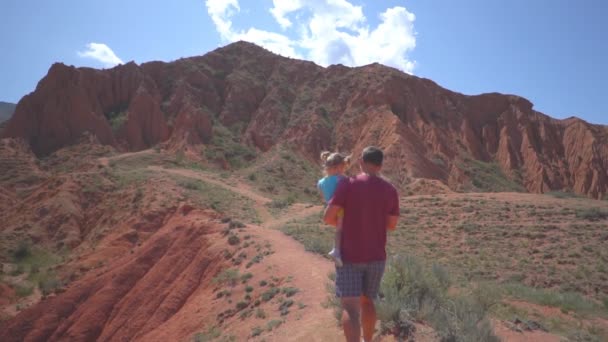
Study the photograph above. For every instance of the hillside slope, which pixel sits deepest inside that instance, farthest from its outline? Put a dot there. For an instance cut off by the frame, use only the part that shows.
(489, 142)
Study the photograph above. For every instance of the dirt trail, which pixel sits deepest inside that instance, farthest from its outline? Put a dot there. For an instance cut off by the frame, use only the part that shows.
(105, 161)
(237, 187)
(309, 271)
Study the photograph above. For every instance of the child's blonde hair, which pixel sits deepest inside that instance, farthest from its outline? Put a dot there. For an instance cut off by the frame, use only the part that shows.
(330, 159)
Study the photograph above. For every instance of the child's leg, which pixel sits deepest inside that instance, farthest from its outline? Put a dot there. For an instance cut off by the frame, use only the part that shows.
(338, 236)
(335, 252)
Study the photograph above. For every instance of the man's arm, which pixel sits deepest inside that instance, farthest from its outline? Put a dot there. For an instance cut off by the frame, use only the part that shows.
(331, 215)
(391, 222)
(393, 214)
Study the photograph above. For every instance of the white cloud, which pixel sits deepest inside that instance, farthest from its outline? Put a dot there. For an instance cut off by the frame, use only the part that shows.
(274, 42)
(327, 32)
(101, 53)
(281, 8)
(220, 12)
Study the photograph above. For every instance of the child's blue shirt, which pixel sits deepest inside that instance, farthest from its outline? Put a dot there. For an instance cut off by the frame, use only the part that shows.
(328, 185)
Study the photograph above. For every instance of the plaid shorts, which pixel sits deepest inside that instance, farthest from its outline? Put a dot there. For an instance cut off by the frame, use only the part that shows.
(354, 280)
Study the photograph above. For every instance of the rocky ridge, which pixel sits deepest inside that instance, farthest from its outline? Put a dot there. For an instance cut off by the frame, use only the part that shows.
(428, 132)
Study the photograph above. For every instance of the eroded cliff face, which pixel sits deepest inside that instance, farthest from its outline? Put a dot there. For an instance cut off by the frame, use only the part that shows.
(427, 131)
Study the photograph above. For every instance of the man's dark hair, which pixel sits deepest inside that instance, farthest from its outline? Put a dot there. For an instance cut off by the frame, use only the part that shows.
(372, 155)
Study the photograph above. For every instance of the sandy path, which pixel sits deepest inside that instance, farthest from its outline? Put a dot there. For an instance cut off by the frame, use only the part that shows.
(236, 187)
(105, 161)
(309, 271)
(310, 275)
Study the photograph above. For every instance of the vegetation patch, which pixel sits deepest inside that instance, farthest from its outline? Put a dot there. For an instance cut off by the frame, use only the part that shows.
(566, 301)
(315, 237)
(219, 199)
(592, 214)
(229, 276)
(411, 291)
(488, 177)
(286, 176)
(226, 145)
(117, 118)
(209, 335)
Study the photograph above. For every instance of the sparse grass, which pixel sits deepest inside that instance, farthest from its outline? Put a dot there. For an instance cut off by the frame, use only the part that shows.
(277, 205)
(23, 291)
(226, 145)
(269, 294)
(488, 177)
(284, 307)
(49, 284)
(413, 291)
(37, 264)
(22, 251)
(256, 331)
(273, 324)
(245, 277)
(592, 214)
(130, 177)
(282, 173)
(233, 240)
(563, 194)
(566, 301)
(211, 334)
(260, 313)
(315, 237)
(229, 276)
(290, 291)
(219, 199)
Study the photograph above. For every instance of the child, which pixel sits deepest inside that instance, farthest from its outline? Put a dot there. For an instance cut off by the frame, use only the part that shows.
(334, 165)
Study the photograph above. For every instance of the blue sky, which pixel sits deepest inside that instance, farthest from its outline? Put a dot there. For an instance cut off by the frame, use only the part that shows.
(552, 52)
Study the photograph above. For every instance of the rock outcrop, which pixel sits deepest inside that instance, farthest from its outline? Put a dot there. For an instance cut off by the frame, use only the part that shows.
(427, 131)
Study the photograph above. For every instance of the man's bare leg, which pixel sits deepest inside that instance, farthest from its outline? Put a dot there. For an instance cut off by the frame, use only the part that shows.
(368, 318)
(350, 319)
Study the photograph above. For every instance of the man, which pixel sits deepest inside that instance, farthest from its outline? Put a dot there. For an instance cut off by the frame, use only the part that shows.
(371, 207)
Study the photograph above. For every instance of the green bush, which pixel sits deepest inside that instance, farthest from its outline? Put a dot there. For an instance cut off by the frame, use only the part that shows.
(290, 291)
(245, 277)
(233, 240)
(236, 224)
(410, 291)
(117, 119)
(275, 323)
(269, 294)
(260, 313)
(256, 331)
(22, 251)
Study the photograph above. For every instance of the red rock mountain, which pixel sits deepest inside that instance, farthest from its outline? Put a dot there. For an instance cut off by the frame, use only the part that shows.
(427, 131)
